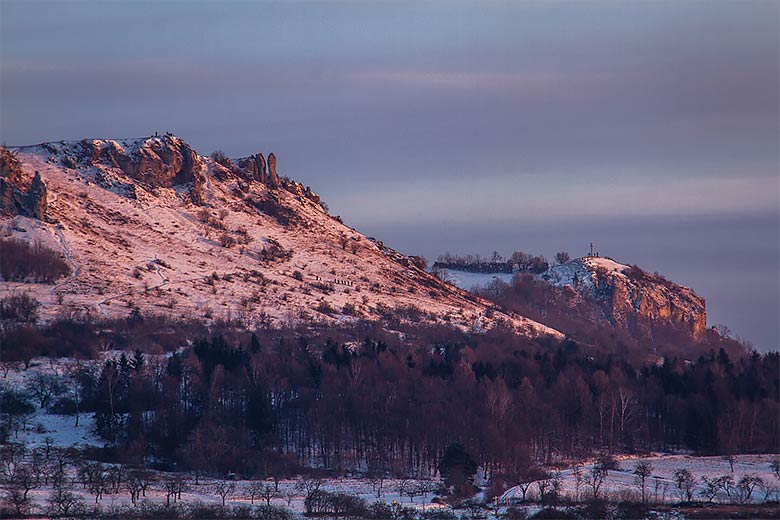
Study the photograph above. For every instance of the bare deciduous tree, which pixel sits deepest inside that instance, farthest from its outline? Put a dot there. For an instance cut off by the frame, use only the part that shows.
(642, 471)
(225, 488)
(685, 483)
(262, 490)
(745, 487)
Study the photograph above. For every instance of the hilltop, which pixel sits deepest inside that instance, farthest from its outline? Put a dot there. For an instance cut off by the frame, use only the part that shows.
(149, 225)
(580, 295)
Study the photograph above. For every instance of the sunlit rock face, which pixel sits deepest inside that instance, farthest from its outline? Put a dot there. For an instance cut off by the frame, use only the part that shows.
(157, 161)
(17, 195)
(632, 298)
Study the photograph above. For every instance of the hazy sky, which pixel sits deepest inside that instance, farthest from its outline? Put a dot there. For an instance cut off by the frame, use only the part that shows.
(650, 128)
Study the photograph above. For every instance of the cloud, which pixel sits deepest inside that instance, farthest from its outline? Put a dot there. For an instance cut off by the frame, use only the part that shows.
(496, 198)
(532, 81)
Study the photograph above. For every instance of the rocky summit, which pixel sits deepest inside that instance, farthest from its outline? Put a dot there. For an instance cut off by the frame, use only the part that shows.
(632, 298)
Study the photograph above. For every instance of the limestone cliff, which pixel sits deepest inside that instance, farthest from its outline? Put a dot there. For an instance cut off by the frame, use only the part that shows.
(632, 298)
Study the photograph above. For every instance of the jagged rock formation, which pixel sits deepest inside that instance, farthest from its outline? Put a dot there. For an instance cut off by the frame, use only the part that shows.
(273, 177)
(254, 168)
(632, 298)
(158, 161)
(15, 197)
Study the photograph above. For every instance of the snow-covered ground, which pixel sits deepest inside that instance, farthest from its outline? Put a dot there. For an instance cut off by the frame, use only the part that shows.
(581, 272)
(661, 485)
(42, 427)
(468, 281)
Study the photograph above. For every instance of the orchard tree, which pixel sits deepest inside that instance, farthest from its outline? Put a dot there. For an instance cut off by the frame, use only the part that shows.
(685, 483)
(225, 488)
(643, 470)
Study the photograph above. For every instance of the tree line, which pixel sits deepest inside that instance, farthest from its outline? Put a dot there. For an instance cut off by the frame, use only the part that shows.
(272, 401)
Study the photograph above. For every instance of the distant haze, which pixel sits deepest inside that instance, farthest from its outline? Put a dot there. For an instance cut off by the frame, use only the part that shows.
(648, 128)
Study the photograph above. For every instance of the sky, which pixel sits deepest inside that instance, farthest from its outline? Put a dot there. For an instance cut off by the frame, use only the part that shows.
(649, 128)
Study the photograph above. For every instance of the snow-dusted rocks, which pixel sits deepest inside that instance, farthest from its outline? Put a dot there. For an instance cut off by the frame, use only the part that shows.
(632, 297)
(254, 167)
(158, 161)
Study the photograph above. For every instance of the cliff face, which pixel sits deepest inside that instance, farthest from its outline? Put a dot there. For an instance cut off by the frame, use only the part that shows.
(18, 197)
(158, 161)
(633, 299)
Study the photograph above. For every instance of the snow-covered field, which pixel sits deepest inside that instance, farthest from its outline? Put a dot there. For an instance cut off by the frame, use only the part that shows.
(661, 486)
(466, 280)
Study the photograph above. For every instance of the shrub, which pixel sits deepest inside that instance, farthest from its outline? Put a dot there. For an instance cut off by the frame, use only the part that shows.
(325, 308)
(419, 262)
(220, 157)
(20, 308)
(21, 261)
(562, 257)
(323, 503)
(283, 215)
(225, 240)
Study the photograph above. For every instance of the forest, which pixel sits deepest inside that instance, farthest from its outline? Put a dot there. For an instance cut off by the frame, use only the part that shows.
(273, 402)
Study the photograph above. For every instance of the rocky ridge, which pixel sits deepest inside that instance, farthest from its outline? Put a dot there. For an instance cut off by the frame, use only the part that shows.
(149, 224)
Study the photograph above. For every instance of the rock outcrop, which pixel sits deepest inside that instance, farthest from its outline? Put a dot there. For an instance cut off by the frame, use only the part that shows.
(632, 298)
(273, 177)
(158, 161)
(254, 168)
(15, 197)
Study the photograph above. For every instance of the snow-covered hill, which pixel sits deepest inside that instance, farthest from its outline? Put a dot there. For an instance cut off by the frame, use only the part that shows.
(150, 224)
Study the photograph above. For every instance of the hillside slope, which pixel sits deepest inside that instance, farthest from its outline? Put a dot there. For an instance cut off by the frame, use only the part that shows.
(149, 224)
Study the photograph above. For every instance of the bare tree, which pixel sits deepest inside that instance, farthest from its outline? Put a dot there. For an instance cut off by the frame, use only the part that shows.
(310, 485)
(726, 483)
(412, 490)
(136, 483)
(425, 487)
(377, 482)
(562, 257)
(594, 479)
(18, 485)
(543, 486)
(64, 503)
(577, 473)
(729, 457)
(98, 483)
(262, 490)
(556, 483)
(225, 488)
(114, 476)
(685, 483)
(171, 486)
(710, 490)
(775, 466)
(43, 387)
(643, 471)
(746, 486)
